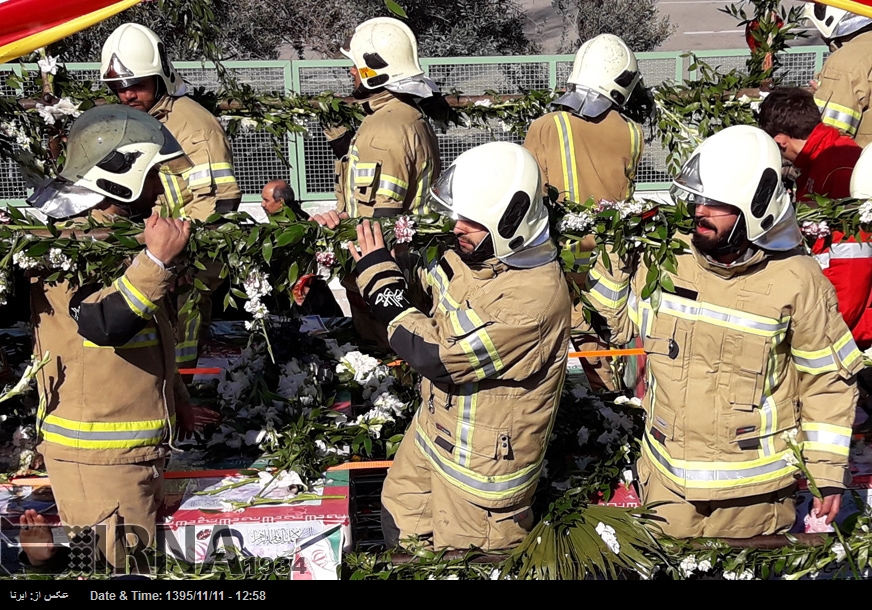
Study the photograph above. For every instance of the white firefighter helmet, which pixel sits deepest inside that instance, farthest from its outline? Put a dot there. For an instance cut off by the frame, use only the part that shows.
(833, 22)
(604, 73)
(132, 53)
(861, 177)
(741, 166)
(110, 151)
(498, 185)
(384, 51)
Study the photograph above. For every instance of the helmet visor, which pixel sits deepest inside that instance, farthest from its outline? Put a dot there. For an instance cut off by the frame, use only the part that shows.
(689, 199)
(60, 199)
(442, 194)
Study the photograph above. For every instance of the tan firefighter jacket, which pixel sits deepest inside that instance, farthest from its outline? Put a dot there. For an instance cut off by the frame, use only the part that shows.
(391, 162)
(737, 356)
(111, 384)
(583, 158)
(209, 186)
(845, 92)
(492, 351)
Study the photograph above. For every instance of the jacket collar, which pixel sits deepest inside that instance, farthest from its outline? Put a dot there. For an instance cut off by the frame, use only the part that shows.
(819, 140)
(745, 264)
(484, 271)
(373, 104)
(162, 108)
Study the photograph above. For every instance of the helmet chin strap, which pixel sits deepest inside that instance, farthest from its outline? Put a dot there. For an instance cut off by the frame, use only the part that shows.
(736, 240)
(482, 252)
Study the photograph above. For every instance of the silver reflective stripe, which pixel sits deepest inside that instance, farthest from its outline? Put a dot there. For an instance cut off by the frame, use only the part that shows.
(186, 353)
(568, 156)
(142, 339)
(364, 172)
(423, 188)
(847, 349)
(851, 250)
(608, 293)
(132, 299)
(436, 274)
(199, 176)
(849, 120)
(670, 304)
(768, 406)
(396, 189)
(478, 346)
(827, 438)
(130, 435)
(466, 398)
(815, 363)
(222, 173)
(448, 469)
(713, 474)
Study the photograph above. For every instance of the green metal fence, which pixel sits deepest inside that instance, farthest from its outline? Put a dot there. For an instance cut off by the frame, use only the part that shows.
(311, 172)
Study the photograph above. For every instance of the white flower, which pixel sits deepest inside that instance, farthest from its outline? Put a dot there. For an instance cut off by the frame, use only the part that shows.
(866, 212)
(575, 222)
(688, 565)
(63, 107)
(256, 284)
(226, 507)
(633, 402)
(325, 259)
(704, 566)
(839, 551)
(257, 309)
(253, 437)
(789, 436)
(48, 65)
(583, 436)
(746, 575)
(23, 261)
(815, 229)
(389, 402)
(22, 435)
(12, 131)
(360, 365)
(790, 458)
(486, 103)
(338, 351)
(404, 229)
(286, 480)
(608, 534)
(231, 389)
(58, 260)
(321, 449)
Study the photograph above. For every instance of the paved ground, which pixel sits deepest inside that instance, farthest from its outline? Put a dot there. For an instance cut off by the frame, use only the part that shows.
(700, 25)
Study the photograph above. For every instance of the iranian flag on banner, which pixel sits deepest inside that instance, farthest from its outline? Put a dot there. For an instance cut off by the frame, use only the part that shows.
(26, 25)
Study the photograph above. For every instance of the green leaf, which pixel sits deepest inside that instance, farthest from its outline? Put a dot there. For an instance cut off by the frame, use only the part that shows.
(395, 8)
(291, 235)
(267, 251)
(293, 273)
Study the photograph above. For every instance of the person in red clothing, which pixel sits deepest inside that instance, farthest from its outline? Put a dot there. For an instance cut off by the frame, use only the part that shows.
(825, 160)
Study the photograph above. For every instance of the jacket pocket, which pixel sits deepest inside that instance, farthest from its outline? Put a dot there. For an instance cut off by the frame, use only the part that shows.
(365, 182)
(748, 376)
(663, 423)
(665, 348)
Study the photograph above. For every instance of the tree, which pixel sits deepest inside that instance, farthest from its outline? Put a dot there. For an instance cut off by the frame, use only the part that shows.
(255, 29)
(637, 22)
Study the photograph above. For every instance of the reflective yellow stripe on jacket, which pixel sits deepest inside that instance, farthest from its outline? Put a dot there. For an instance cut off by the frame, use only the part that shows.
(827, 360)
(206, 174)
(716, 475)
(826, 437)
(607, 292)
(186, 351)
(102, 435)
(136, 301)
(476, 343)
(567, 155)
(840, 117)
(635, 156)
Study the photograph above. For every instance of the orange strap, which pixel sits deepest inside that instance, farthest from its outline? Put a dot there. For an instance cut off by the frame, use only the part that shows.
(215, 371)
(362, 465)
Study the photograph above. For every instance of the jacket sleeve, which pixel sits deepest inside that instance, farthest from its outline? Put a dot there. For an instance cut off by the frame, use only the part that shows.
(112, 316)
(384, 174)
(474, 347)
(533, 143)
(610, 295)
(827, 360)
(842, 95)
(211, 179)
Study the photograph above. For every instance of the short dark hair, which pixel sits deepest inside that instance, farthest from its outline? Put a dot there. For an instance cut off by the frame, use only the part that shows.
(791, 111)
(286, 194)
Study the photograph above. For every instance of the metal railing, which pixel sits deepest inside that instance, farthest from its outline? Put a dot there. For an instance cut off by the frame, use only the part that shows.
(311, 171)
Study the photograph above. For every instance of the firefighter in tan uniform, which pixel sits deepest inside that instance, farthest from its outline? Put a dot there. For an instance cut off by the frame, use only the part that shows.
(844, 92)
(136, 67)
(111, 386)
(747, 347)
(587, 149)
(386, 168)
(491, 348)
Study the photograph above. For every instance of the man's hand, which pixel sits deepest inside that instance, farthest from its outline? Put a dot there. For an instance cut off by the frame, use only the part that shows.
(35, 537)
(814, 84)
(330, 220)
(829, 506)
(190, 418)
(166, 238)
(369, 239)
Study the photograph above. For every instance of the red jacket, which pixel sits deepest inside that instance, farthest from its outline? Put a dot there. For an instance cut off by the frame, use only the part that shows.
(825, 164)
